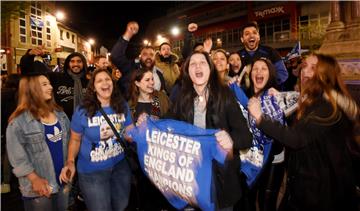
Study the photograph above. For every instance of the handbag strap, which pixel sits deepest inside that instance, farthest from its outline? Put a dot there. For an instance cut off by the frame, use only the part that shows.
(123, 145)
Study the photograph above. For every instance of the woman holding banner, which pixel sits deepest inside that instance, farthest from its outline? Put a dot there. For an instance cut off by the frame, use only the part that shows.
(205, 102)
(263, 163)
(320, 173)
(145, 99)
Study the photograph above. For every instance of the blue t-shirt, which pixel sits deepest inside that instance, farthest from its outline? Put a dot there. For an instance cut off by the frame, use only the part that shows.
(53, 137)
(99, 149)
(177, 157)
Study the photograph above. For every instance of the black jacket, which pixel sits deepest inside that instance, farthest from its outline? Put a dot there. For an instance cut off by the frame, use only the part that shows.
(63, 88)
(227, 177)
(320, 173)
(126, 66)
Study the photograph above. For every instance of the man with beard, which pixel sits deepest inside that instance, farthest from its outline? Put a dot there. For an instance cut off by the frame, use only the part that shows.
(70, 85)
(253, 50)
(166, 60)
(126, 65)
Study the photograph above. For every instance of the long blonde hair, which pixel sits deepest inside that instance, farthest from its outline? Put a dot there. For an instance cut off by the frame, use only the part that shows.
(30, 99)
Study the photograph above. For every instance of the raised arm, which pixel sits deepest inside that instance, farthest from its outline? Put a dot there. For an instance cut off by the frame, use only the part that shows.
(118, 55)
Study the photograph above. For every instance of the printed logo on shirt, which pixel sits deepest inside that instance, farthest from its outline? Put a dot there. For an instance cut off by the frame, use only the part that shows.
(107, 147)
(56, 136)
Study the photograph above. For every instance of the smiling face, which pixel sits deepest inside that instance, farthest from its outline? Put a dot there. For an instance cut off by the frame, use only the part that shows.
(250, 38)
(199, 70)
(103, 85)
(235, 62)
(146, 84)
(76, 64)
(308, 69)
(46, 88)
(259, 75)
(220, 61)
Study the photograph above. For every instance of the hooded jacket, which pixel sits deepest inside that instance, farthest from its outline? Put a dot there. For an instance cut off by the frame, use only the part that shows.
(63, 85)
(169, 68)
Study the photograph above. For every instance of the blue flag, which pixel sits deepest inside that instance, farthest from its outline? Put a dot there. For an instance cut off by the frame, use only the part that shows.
(177, 158)
(36, 22)
(253, 161)
(295, 52)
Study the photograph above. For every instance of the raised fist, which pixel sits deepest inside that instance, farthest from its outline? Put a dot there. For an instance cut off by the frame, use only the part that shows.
(192, 27)
(132, 28)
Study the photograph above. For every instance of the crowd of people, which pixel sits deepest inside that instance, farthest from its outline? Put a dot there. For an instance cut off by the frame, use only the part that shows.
(66, 132)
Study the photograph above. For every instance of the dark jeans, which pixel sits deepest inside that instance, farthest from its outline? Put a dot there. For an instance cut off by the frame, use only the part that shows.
(56, 202)
(107, 190)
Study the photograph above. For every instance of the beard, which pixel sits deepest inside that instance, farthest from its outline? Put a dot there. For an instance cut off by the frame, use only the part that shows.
(148, 63)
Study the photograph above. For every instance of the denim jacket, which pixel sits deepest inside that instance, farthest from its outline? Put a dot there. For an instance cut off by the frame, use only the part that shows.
(28, 151)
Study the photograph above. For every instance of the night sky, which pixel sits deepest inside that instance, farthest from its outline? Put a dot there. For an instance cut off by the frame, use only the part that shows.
(105, 21)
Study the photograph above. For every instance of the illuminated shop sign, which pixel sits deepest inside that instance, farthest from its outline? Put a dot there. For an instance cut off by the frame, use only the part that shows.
(270, 12)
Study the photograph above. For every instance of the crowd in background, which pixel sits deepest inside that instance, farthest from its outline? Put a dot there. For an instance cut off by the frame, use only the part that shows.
(64, 155)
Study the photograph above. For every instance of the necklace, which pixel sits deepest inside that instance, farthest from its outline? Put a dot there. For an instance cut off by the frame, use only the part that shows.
(201, 99)
(202, 96)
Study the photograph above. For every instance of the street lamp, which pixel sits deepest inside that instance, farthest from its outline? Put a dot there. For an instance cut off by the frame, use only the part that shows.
(60, 15)
(146, 42)
(91, 41)
(175, 31)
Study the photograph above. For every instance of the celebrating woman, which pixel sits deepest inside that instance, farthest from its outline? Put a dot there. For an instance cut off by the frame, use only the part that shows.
(205, 102)
(104, 174)
(36, 140)
(320, 174)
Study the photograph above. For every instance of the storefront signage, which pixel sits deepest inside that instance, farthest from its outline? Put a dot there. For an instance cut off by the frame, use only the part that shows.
(271, 11)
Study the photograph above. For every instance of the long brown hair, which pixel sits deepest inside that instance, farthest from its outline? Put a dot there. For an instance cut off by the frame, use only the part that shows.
(327, 77)
(134, 92)
(90, 102)
(30, 99)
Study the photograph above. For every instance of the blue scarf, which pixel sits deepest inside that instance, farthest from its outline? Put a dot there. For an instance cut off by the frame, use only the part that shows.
(253, 161)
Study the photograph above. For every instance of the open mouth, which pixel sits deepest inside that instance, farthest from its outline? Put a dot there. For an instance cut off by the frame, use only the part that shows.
(199, 74)
(105, 89)
(252, 41)
(259, 79)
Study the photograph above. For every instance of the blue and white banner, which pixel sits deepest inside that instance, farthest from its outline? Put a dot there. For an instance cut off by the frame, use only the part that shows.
(177, 158)
(36, 22)
(253, 161)
(295, 52)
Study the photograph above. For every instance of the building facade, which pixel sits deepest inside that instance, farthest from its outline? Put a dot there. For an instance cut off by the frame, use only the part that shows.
(281, 24)
(36, 25)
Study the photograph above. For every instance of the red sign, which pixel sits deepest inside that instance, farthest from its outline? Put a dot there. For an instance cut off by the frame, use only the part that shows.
(58, 49)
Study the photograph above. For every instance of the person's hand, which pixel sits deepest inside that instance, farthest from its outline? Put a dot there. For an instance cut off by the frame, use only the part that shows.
(224, 140)
(273, 92)
(254, 108)
(38, 51)
(132, 28)
(192, 27)
(235, 79)
(67, 172)
(208, 44)
(142, 118)
(40, 185)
